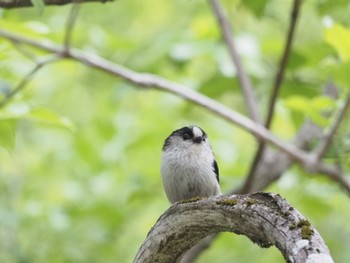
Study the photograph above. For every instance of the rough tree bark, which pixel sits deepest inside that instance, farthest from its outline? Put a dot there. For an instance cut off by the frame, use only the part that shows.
(267, 219)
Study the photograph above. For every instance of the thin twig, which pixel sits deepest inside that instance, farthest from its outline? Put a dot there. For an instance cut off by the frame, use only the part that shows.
(247, 185)
(72, 17)
(283, 62)
(244, 80)
(25, 80)
(333, 172)
(24, 50)
(20, 85)
(326, 142)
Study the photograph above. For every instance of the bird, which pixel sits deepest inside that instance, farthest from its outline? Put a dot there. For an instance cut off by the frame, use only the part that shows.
(188, 166)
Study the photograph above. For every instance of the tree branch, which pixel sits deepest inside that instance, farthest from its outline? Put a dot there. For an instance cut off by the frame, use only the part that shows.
(246, 85)
(333, 172)
(283, 62)
(326, 142)
(21, 85)
(267, 219)
(73, 14)
(149, 80)
(247, 185)
(27, 3)
(25, 51)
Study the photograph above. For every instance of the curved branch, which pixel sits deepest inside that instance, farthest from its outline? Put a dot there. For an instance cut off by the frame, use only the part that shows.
(27, 3)
(157, 82)
(267, 219)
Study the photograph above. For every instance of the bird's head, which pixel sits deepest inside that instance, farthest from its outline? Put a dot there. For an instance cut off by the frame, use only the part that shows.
(186, 137)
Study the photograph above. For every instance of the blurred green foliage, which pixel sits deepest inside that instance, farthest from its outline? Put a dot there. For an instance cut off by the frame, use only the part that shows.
(80, 150)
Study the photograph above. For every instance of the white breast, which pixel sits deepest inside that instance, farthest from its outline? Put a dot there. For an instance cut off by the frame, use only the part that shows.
(189, 173)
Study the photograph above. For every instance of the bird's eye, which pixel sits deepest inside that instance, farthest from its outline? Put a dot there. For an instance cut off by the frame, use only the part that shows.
(186, 136)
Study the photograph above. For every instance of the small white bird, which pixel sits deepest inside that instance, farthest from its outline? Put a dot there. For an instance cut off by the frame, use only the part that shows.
(188, 165)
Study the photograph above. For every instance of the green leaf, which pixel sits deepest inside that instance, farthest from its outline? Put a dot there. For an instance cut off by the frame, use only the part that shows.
(38, 5)
(49, 117)
(340, 74)
(204, 27)
(294, 88)
(318, 118)
(218, 85)
(257, 7)
(87, 150)
(297, 103)
(7, 134)
(14, 110)
(322, 103)
(296, 60)
(313, 108)
(33, 29)
(339, 38)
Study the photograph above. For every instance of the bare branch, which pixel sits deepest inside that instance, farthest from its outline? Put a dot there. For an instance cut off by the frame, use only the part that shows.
(27, 3)
(20, 85)
(247, 185)
(333, 172)
(273, 164)
(283, 62)
(246, 85)
(149, 80)
(326, 142)
(266, 219)
(24, 50)
(72, 17)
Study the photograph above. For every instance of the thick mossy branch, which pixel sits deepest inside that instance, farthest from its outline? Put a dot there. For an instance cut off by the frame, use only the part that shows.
(267, 219)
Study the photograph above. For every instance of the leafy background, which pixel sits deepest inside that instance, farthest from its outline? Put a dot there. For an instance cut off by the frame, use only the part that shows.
(80, 150)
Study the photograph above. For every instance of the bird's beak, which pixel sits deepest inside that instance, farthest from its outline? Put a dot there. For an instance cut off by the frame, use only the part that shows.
(198, 139)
